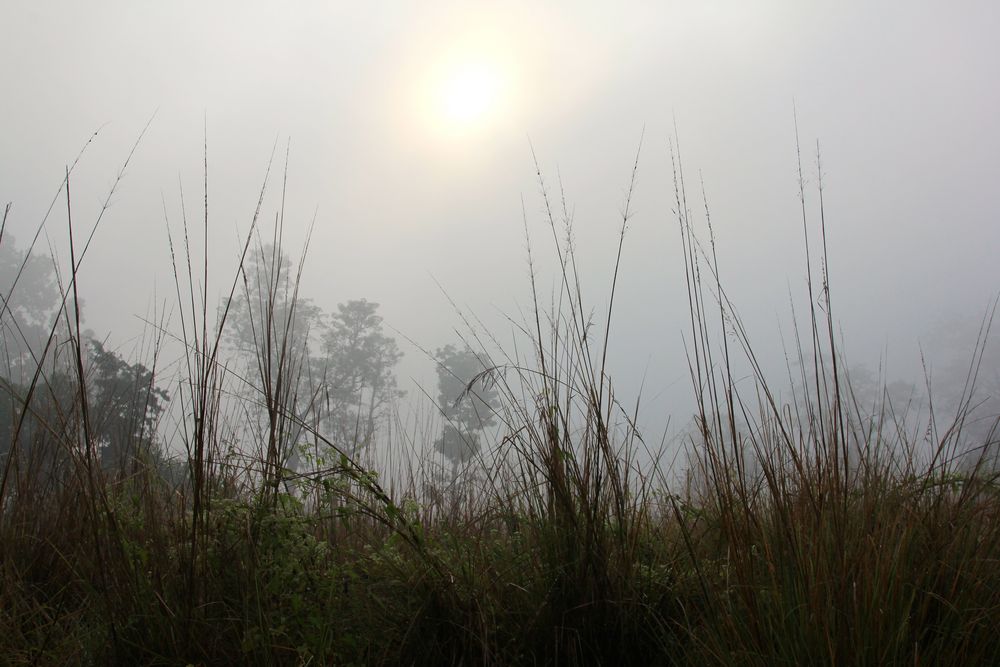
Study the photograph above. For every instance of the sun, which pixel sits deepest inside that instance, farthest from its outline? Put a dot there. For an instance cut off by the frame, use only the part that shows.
(460, 88)
(468, 94)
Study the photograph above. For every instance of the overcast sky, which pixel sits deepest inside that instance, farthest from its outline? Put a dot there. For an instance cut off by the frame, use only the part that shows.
(412, 180)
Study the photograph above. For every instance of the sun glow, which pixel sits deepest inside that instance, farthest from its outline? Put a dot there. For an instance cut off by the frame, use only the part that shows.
(468, 92)
(462, 86)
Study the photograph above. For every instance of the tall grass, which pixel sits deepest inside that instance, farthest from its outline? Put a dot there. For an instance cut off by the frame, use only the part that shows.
(804, 532)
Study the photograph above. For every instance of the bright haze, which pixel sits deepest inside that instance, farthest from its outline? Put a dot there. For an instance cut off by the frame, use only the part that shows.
(410, 130)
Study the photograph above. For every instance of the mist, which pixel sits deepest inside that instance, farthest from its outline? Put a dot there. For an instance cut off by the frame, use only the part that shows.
(900, 99)
(515, 333)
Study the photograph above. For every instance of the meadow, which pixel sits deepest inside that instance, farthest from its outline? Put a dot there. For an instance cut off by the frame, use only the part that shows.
(814, 526)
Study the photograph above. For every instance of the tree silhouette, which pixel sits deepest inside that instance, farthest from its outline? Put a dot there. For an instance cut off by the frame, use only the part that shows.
(270, 327)
(359, 382)
(30, 299)
(126, 404)
(468, 404)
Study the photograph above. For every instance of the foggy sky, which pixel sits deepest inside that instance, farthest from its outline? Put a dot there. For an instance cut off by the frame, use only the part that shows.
(902, 96)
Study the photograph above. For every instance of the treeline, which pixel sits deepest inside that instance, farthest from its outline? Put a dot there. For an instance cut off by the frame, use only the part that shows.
(343, 382)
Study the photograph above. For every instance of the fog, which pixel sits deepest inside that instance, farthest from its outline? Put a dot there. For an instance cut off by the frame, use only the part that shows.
(416, 209)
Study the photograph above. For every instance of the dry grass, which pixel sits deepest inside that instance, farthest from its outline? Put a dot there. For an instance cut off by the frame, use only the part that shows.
(804, 533)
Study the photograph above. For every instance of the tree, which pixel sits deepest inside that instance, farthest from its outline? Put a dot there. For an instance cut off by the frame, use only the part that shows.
(468, 404)
(345, 390)
(267, 315)
(29, 302)
(30, 299)
(359, 384)
(44, 427)
(270, 327)
(125, 405)
(123, 402)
